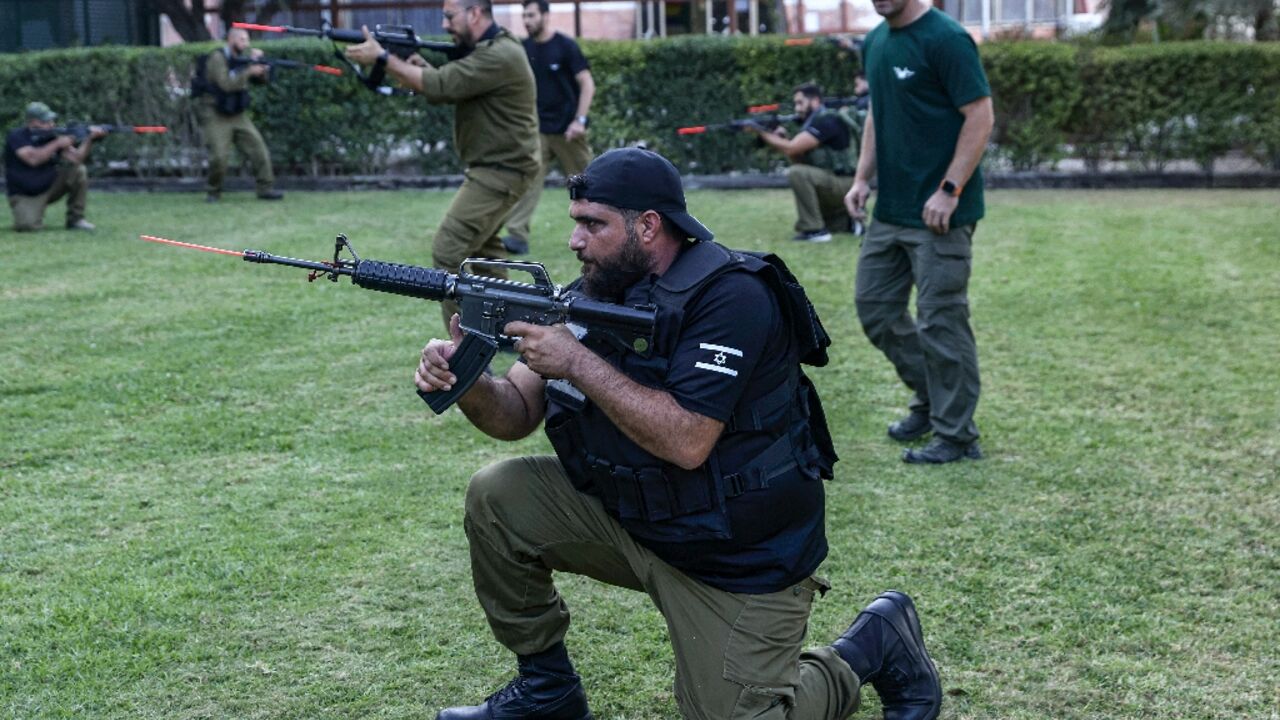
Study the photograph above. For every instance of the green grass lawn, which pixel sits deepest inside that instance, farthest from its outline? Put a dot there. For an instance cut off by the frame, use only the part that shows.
(221, 498)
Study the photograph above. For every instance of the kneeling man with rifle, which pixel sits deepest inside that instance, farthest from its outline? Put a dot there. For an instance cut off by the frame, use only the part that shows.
(41, 165)
(824, 158)
(690, 468)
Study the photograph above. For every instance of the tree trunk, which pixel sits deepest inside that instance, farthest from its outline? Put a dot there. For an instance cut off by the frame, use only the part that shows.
(188, 23)
(234, 11)
(1264, 24)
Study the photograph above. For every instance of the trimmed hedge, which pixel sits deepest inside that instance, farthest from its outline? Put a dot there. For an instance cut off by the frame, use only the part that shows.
(1147, 104)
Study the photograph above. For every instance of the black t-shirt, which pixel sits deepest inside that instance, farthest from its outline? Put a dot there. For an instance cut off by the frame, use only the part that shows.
(21, 178)
(555, 64)
(828, 129)
(732, 340)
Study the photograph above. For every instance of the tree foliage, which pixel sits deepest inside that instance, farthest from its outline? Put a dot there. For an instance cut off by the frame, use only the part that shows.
(1191, 19)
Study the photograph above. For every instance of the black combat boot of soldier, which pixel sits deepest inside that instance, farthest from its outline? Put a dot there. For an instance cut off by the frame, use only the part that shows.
(547, 688)
(913, 426)
(885, 647)
(941, 450)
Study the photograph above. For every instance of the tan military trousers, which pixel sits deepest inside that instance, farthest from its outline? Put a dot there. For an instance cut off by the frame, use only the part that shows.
(72, 181)
(573, 156)
(471, 224)
(819, 198)
(737, 656)
(221, 133)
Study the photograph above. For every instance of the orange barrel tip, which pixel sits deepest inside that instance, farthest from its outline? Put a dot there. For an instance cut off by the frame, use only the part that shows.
(193, 246)
(327, 69)
(255, 26)
(697, 130)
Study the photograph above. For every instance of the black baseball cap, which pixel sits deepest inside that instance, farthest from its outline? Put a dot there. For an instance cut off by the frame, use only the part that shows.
(638, 179)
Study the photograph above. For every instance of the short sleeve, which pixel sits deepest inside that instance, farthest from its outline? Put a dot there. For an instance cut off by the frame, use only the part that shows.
(727, 338)
(577, 61)
(825, 128)
(17, 139)
(960, 69)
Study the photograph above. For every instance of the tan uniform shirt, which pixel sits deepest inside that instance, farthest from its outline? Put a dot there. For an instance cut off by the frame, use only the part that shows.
(496, 119)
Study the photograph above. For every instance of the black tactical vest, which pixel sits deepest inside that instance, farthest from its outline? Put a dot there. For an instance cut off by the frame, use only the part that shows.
(840, 162)
(656, 500)
(224, 103)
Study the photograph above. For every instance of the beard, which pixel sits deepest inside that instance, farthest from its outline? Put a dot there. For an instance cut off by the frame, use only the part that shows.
(893, 10)
(608, 278)
(463, 37)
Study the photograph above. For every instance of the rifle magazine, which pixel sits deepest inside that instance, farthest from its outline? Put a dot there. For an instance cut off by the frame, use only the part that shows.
(468, 362)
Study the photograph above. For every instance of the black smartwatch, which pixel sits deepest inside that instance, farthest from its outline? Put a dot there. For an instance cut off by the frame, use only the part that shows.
(583, 119)
(950, 188)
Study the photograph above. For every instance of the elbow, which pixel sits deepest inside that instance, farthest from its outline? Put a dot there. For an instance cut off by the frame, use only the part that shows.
(691, 457)
(510, 434)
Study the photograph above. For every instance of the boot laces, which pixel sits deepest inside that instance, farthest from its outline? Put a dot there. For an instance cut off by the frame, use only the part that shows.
(516, 688)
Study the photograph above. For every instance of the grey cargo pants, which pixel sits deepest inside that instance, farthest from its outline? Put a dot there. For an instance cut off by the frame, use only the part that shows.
(934, 353)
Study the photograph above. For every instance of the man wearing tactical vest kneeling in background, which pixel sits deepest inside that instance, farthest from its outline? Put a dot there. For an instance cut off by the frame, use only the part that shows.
(824, 159)
(690, 469)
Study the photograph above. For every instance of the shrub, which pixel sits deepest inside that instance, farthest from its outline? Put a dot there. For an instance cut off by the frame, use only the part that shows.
(1145, 104)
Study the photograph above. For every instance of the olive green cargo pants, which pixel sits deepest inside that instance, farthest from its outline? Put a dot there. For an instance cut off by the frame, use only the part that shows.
(471, 224)
(819, 198)
(573, 156)
(934, 353)
(221, 133)
(737, 656)
(72, 181)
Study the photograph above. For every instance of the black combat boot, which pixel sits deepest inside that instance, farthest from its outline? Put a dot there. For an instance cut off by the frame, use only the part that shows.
(941, 450)
(547, 688)
(914, 425)
(885, 647)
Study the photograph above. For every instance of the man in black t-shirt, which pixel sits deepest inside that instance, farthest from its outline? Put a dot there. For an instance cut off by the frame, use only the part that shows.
(41, 165)
(823, 160)
(565, 90)
(690, 469)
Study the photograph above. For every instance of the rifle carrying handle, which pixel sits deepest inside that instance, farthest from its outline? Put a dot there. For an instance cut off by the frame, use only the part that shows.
(472, 357)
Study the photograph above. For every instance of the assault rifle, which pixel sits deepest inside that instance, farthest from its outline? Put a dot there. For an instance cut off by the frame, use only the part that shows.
(80, 131)
(766, 122)
(273, 63)
(844, 43)
(399, 40)
(831, 103)
(486, 304)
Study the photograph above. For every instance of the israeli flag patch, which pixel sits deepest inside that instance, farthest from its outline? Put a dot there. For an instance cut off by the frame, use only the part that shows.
(717, 358)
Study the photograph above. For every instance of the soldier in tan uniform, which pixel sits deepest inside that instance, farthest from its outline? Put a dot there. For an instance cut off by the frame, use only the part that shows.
(495, 127)
(221, 90)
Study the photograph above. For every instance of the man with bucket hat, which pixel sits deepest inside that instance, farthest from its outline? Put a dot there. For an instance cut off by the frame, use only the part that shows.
(690, 469)
(41, 167)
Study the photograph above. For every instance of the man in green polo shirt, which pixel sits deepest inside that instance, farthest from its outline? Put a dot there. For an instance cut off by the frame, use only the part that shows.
(495, 129)
(930, 119)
